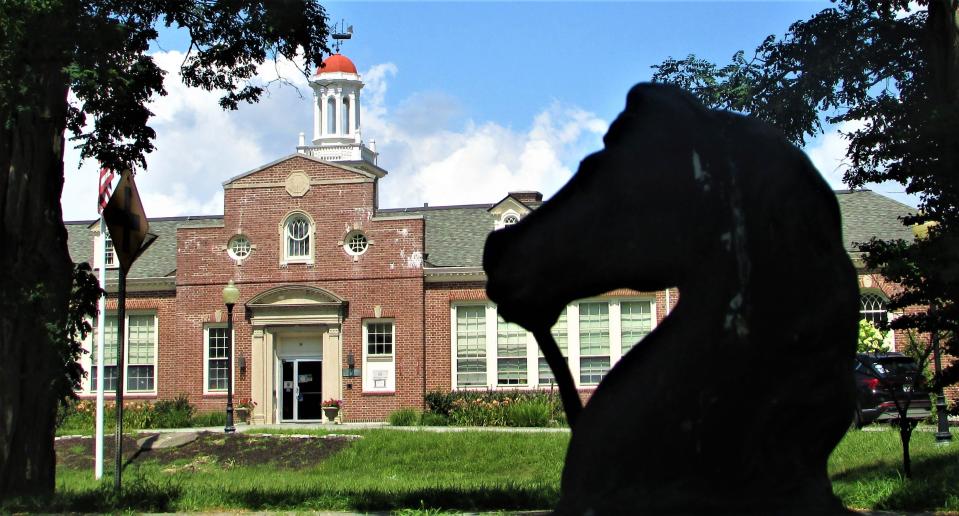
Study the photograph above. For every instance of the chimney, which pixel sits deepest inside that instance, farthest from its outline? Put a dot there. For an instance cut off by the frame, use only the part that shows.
(527, 197)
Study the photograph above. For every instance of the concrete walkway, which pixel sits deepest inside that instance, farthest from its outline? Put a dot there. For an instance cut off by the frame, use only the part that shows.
(346, 427)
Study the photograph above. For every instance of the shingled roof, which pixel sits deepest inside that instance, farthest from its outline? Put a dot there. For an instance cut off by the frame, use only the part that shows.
(158, 261)
(455, 235)
(866, 214)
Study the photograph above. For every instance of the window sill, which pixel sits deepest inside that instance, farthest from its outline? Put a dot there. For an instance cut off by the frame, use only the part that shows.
(113, 394)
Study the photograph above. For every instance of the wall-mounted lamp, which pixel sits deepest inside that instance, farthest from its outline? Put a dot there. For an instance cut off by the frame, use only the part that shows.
(351, 365)
(241, 361)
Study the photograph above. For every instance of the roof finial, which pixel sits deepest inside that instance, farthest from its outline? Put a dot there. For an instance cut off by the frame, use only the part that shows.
(339, 35)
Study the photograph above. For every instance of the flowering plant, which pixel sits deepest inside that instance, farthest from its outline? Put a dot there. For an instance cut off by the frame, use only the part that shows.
(333, 403)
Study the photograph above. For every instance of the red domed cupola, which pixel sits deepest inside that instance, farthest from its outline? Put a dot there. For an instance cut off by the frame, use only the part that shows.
(337, 63)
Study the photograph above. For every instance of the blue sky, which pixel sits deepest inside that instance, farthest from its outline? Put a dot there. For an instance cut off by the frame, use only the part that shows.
(466, 100)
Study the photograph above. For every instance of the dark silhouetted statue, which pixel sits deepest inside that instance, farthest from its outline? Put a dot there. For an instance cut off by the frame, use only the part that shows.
(734, 402)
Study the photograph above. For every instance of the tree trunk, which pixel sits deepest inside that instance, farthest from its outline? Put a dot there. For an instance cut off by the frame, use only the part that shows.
(905, 435)
(35, 266)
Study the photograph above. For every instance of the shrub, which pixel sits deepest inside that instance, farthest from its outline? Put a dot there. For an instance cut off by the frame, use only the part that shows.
(496, 408)
(175, 413)
(439, 402)
(431, 419)
(532, 412)
(217, 418)
(404, 417)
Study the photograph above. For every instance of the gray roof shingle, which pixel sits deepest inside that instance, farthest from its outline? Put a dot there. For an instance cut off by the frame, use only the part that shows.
(455, 235)
(156, 262)
(866, 214)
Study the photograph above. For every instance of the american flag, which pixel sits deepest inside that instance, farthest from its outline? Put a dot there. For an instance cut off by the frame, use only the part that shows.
(106, 184)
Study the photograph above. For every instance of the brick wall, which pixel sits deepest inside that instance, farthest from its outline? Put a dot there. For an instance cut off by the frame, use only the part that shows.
(388, 274)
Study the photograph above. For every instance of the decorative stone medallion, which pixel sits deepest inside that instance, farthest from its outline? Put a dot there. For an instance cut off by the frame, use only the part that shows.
(297, 183)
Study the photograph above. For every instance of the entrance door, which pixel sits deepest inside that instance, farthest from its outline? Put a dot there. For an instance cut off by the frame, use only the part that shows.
(302, 395)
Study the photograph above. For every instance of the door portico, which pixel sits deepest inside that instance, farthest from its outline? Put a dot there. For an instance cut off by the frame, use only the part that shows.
(293, 325)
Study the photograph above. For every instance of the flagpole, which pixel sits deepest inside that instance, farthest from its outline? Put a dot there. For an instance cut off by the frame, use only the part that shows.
(101, 327)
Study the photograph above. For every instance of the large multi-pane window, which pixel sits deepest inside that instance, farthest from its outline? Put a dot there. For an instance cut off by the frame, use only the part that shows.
(470, 346)
(636, 321)
(110, 254)
(592, 335)
(510, 353)
(546, 376)
(140, 362)
(593, 342)
(109, 356)
(297, 232)
(217, 367)
(141, 345)
(872, 307)
(379, 373)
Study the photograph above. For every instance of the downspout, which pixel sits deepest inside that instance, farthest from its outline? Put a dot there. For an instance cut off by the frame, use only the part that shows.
(667, 301)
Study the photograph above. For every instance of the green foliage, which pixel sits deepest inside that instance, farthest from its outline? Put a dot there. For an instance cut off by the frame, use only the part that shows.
(497, 408)
(175, 413)
(890, 70)
(404, 417)
(431, 419)
(206, 419)
(529, 413)
(871, 339)
(78, 416)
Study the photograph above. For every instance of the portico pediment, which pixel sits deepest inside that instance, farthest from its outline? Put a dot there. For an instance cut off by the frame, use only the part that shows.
(297, 305)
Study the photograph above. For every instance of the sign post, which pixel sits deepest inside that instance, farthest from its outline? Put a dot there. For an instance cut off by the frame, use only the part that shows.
(129, 230)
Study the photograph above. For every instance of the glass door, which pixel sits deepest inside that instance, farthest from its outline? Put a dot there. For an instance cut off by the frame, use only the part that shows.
(301, 393)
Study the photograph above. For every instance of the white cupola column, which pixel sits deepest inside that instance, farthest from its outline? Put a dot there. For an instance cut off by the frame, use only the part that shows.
(338, 126)
(354, 127)
(317, 115)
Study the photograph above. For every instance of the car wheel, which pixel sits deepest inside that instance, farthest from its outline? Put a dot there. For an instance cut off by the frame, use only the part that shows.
(857, 417)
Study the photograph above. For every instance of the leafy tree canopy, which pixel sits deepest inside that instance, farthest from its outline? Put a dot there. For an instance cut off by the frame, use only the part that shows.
(103, 44)
(890, 68)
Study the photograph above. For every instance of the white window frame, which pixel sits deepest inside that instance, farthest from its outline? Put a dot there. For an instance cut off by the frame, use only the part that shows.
(87, 362)
(98, 258)
(285, 257)
(573, 354)
(206, 360)
(378, 358)
(501, 221)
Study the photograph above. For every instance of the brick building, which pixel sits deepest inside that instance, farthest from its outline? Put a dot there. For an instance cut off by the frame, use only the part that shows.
(341, 299)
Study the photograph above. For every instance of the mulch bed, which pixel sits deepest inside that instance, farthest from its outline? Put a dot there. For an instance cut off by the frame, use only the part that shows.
(278, 451)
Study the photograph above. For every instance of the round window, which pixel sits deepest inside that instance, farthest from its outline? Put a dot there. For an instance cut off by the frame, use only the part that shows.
(510, 219)
(239, 247)
(356, 243)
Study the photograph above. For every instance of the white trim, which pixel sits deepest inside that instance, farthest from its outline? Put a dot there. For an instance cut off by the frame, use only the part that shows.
(206, 360)
(87, 363)
(285, 258)
(573, 356)
(367, 380)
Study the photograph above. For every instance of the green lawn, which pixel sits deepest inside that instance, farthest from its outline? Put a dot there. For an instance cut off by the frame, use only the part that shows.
(475, 470)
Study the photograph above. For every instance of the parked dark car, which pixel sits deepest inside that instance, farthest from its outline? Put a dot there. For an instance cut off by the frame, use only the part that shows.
(882, 379)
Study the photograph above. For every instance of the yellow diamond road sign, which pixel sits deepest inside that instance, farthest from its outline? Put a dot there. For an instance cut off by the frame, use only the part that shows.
(126, 221)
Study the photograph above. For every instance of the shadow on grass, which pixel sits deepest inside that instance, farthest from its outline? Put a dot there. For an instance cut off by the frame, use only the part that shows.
(468, 499)
(144, 495)
(934, 483)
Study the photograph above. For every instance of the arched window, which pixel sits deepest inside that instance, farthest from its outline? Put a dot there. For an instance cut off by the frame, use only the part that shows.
(297, 237)
(872, 307)
(346, 116)
(330, 116)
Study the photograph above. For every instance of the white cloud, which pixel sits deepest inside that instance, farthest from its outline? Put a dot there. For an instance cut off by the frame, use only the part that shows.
(478, 163)
(199, 145)
(828, 154)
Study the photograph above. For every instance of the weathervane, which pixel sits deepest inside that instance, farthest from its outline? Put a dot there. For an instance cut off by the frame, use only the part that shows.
(339, 35)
